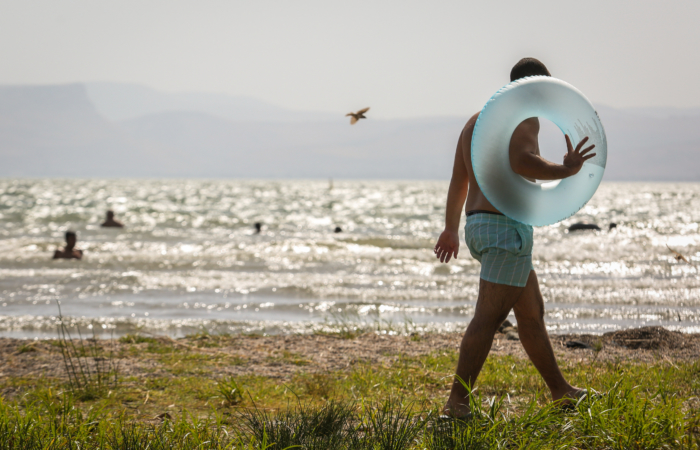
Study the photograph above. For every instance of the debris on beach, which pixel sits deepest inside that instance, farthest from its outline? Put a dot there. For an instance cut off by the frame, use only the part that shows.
(512, 336)
(648, 338)
(578, 344)
(504, 328)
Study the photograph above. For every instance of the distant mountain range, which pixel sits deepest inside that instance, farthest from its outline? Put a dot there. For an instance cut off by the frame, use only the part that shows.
(125, 130)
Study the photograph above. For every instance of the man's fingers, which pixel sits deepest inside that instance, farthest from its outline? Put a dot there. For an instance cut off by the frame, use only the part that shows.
(580, 144)
(445, 255)
(587, 157)
(569, 147)
(587, 149)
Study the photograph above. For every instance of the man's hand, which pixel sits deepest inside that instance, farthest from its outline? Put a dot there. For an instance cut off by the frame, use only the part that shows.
(447, 245)
(574, 159)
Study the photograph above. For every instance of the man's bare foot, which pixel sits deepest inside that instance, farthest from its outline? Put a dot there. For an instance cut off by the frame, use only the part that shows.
(569, 397)
(456, 411)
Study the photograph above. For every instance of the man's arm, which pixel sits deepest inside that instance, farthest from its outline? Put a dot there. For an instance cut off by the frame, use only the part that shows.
(526, 161)
(448, 242)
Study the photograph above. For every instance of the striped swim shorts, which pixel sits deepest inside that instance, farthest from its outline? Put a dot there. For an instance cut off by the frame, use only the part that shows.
(502, 245)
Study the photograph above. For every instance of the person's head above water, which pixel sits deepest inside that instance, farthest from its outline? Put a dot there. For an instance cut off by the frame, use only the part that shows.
(71, 239)
(110, 221)
(528, 67)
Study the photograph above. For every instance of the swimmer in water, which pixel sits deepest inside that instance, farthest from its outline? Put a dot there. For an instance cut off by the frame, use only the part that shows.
(111, 222)
(69, 251)
(504, 248)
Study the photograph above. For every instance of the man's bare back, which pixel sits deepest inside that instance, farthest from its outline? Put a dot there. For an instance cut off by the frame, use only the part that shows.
(475, 198)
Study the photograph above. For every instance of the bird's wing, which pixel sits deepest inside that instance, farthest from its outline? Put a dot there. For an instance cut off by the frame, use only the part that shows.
(349, 114)
(673, 251)
(678, 255)
(353, 120)
(362, 111)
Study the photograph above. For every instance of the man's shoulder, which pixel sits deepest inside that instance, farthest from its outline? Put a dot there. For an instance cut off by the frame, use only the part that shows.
(469, 126)
(112, 224)
(472, 120)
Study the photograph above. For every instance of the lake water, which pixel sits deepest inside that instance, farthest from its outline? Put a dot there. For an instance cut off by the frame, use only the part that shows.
(188, 259)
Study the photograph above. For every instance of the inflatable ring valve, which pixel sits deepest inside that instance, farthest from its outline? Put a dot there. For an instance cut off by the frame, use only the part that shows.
(536, 203)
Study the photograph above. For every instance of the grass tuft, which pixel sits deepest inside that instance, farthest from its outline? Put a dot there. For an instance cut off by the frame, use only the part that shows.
(137, 339)
(91, 373)
(320, 385)
(303, 426)
(230, 391)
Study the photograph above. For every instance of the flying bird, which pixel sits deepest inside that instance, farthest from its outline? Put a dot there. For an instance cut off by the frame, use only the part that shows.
(354, 117)
(677, 255)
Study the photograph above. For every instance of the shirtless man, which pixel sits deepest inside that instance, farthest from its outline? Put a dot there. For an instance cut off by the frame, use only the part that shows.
(508, 280)
(69, 251)
(111, 222)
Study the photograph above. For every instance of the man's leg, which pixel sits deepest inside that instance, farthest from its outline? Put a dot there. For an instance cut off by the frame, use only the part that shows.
(492, 307)
(529, 312)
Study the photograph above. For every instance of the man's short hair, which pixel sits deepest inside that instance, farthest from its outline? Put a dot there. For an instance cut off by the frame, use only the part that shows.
(528, 67)
(71, 234)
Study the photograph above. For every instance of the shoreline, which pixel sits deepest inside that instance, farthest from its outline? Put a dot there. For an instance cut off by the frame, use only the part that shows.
(284, 356)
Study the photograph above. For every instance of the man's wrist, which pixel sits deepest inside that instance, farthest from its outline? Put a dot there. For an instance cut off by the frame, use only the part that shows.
(570, 171)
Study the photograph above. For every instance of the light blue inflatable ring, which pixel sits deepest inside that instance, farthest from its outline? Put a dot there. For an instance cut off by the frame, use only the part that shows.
(527, 202)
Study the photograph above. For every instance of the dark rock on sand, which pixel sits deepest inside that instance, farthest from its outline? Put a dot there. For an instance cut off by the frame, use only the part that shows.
(584, 226)
(577, 344)
(506, 324)
(512, 336)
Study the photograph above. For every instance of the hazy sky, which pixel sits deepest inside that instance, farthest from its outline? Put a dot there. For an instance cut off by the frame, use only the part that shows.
(403, 58)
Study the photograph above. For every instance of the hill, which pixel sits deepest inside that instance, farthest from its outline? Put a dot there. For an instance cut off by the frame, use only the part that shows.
(122, 130)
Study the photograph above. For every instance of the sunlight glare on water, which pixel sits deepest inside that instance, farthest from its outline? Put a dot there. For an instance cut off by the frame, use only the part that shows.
(188, 258)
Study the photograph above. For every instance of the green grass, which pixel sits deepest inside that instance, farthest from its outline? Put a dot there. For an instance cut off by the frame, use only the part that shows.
(184, 404)
(289, 358)
(137, 339)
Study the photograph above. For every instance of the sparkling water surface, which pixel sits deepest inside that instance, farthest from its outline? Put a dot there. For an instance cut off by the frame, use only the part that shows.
(189, 260)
